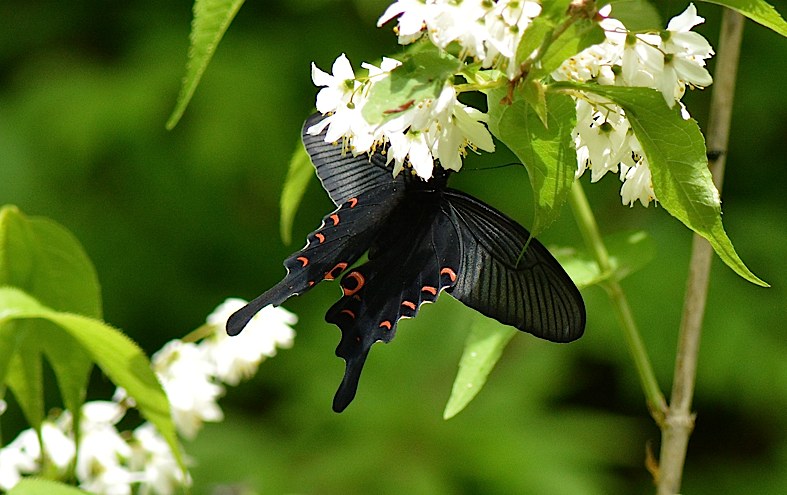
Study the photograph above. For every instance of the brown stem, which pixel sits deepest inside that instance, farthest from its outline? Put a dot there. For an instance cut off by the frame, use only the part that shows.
(679, 421)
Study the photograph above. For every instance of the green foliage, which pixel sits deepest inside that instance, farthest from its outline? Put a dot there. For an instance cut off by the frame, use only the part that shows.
(483, 349)
(211, 20)
(50, 309)
(637, 15)
(298, 175)
(629, 252)
(758, 11)
(423, 74)
(37, 486)
(675, 149)
(547, 152)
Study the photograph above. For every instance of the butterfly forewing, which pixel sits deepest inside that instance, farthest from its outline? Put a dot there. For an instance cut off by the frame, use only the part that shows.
(344, 176)
(532, 292)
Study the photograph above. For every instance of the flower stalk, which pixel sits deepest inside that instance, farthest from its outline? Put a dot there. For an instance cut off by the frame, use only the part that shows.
(590, 233)
(679, 421)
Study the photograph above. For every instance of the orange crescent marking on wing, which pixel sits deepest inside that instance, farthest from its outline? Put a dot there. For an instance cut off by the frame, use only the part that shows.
(339, 266)
(311, 282)
(451, 273)
(348, 312)
(408, 304)
(353, 202)
(385, 324)
(303, 259)
(335, 219)
(429, 289)
(358, 279)
(319, 237)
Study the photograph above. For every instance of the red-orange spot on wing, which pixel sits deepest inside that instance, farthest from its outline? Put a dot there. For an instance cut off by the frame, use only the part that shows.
(451, 274)
(303, 259)
(359, 281)
(385, 324)
(348, 312)
(429, 289)
(408, 304)
(353, 202)
(336, 270)
(320, 237)
(335, 219)
(311, 282)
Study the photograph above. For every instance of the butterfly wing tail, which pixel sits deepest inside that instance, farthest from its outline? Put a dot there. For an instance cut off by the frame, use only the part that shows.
(273, 296)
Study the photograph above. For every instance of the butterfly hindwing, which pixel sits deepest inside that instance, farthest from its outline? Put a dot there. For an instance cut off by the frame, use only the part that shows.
(343, 175)
(421, 258)
(344, 235)
(532, 293)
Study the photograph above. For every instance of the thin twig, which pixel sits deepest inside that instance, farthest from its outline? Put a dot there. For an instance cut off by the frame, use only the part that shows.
(679, 422)
(592, 237)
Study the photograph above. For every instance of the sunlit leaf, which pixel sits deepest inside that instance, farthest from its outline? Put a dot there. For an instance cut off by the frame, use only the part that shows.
(675, 149)
(117, 356)
(483, 348)
(548, 153)
(211, 20)
(422, 75)
(295, 184)
(38, 486)
(45, 260)
(758, 11)
(637, 15)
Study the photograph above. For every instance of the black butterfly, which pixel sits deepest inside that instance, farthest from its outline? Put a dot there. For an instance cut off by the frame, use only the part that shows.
(422, 238)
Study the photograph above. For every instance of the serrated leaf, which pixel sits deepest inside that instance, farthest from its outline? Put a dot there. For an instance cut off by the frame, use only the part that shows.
(628, 253)
(637, 15)
(675, 149)
(535, 95)
(211, 20)
(483, 348)
(422, 75)
(548, 153)
(298, 175)
(117, 356)
(758, 11)
(45, 260)
(38, 486)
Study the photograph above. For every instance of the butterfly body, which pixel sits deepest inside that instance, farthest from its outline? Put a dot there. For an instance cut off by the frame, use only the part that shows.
(422, 238)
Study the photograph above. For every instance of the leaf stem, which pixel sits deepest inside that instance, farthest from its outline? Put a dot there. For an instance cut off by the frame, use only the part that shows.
(679, 421)
(590, 233)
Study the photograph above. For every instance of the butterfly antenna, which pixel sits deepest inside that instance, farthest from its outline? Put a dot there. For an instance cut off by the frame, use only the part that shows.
(481, 169)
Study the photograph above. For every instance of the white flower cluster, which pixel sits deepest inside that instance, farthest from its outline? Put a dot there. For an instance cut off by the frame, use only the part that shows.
(486, 31)
(428, 130)
(489, 32)
(668, 61)
(114, 463)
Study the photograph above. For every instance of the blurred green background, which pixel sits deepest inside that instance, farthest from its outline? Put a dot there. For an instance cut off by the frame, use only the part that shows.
(178, 221)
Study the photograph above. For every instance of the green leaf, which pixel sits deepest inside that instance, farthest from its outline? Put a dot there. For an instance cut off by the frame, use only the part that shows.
(548, 153)
(38, 486)
(483, 349)
(117, 356)
(675, 149)
(637, 15)
(758, 11)
(45, 260)
(628, 253)
(295, 184)
(580, 35)
(422, 75)
(211, 20)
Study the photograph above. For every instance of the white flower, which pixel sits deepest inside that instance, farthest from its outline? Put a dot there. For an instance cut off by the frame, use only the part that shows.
(103, 452)
(187, 379)
(413, 16)
(14, 463)
(236, 358)
(637, 185)
(338, 87)
(154, 466)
